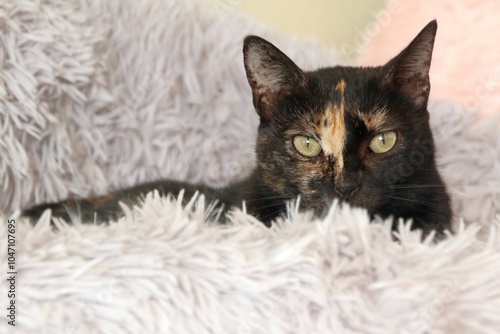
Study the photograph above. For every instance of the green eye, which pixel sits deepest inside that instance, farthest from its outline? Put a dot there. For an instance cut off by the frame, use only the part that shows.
(306, 146)
(383, 142)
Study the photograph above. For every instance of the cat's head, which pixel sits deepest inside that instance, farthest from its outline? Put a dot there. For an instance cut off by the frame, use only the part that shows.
(357, 134)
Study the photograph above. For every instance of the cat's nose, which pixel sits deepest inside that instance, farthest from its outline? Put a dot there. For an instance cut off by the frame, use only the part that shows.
(345, 190)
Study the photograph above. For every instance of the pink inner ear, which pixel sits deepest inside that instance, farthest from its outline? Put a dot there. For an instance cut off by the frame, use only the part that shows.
(415, 85)
(265, 99)
(271, 74)
(266, 71)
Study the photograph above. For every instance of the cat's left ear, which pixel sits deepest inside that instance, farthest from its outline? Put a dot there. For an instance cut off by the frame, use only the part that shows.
(408, 72)
(270, 73)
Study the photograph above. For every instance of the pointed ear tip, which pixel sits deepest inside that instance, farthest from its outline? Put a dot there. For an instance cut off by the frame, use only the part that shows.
(432, 26)
(250, 42)
(252, 39)
(249, 39)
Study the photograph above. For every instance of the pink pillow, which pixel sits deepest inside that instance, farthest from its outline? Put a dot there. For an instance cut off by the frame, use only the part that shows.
(466, 59)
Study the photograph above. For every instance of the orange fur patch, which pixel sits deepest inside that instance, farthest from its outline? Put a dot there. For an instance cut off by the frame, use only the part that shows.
(333, 131)
(100, 200)
(341, 88)
(375, 120)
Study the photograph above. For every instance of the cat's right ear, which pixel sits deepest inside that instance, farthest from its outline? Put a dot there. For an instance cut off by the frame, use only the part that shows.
(270, 73)
(408, 72)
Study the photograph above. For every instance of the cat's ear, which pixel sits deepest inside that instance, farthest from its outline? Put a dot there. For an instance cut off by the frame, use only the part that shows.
(270, 73)
(408, 72)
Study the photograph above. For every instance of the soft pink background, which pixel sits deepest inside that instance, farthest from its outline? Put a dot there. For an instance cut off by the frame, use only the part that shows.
(466, 61)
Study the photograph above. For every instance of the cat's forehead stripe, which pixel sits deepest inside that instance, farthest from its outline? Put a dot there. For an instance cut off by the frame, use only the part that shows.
(341, 87)
(333, 134)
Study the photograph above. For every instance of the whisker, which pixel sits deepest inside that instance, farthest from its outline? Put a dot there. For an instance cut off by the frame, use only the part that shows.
(429, 204)
(268, 205)
(267, 198)
(419, 186)
(442, 186)
(452, 192)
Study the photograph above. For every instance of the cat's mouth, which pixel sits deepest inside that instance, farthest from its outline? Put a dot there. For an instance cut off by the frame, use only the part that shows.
(357, 197)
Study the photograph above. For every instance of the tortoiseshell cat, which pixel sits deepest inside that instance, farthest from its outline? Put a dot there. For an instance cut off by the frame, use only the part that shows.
(358, 134)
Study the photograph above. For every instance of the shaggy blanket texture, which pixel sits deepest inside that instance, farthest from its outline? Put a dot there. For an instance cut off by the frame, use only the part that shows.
(101, 94)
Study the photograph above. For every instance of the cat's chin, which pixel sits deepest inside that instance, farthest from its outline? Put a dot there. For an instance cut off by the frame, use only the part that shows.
(323, 205)
(369, 203)
(321, 211)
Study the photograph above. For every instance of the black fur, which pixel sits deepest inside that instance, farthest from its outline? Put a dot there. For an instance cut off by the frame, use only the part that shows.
(403, 182)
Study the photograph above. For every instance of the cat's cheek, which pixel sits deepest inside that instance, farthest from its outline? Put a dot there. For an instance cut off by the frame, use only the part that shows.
(272, 172)
(369, 201)
(309, 180)
(383, 170)
(371, 193)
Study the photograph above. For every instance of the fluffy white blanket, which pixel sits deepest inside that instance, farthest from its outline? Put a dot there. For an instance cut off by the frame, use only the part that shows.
(101, 94)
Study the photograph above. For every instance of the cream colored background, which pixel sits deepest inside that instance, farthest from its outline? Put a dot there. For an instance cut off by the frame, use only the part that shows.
(332, 21)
